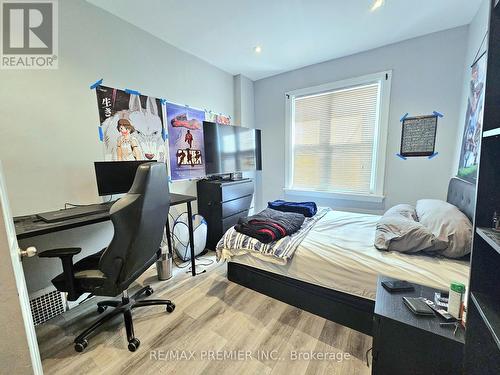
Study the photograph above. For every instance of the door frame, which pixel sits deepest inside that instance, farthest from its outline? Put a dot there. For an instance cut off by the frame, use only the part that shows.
(9, 240)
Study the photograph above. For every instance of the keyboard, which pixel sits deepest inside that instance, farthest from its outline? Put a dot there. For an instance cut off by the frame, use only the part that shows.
(75, 212)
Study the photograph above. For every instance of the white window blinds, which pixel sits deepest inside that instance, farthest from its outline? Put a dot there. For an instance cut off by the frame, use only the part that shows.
(334, 140)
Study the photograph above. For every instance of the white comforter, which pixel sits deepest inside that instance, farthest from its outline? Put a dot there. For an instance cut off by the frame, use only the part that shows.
(338, 253)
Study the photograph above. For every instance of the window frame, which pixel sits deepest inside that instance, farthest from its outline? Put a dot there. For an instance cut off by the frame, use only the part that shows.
(380, 140)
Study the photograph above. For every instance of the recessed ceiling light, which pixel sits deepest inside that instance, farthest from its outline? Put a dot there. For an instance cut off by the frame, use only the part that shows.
(257, 49)
(376, 5)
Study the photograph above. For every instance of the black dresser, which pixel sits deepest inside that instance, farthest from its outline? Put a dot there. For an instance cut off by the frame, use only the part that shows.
(222, 203)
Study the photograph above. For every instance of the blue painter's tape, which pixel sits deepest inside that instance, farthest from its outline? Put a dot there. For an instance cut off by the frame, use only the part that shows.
(169, 179)
(132, 92)
(164, 135)
(101, 135)
(433, 155)
(163, 101)
(437, 114)
(401, 156)
(96, 84)
(404, 117)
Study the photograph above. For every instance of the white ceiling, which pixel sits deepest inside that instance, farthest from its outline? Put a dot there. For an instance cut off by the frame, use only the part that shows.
(292, 33)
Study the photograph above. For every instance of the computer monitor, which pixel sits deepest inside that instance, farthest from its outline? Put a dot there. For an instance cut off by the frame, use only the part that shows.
(116, 177)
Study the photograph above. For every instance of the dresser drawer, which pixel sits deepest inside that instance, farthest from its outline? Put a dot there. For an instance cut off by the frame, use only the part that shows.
(236, 205)
(228, 222)
(237, 190)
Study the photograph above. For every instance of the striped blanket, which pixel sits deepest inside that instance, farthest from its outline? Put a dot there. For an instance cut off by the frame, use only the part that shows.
(234, 243)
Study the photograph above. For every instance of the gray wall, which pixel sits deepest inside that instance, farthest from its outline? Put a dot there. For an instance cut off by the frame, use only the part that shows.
(427, 76)
(48, 136)
(244, 109)
(244, 105)
(477, 29)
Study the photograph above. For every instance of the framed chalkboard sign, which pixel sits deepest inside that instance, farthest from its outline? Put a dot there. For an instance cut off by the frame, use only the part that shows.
(418, 137)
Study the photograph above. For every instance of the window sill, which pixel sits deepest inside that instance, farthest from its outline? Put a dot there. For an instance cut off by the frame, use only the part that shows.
(330, 195)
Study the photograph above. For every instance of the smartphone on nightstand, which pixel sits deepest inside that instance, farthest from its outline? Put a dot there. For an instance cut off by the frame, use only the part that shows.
(397, 286)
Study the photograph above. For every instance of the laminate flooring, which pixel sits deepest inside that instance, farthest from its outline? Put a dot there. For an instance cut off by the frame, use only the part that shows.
(218, 327)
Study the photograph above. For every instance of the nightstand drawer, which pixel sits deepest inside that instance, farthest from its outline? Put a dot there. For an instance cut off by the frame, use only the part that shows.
(236, 190)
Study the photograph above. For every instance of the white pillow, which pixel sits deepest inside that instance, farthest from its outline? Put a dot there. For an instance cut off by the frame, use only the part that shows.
(399, 230)
(448, 224)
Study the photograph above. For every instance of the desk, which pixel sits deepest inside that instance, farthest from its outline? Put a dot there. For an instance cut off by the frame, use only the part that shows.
(30, 225)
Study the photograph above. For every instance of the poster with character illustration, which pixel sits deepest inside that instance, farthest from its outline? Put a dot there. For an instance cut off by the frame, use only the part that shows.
(131, 125)
(471, 140)
(185, 140)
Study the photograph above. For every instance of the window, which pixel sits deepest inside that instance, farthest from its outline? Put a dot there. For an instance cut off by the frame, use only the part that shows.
(337, 137)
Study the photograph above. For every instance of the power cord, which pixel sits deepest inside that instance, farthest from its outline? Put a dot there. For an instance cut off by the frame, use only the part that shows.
(187, 263)
(174, 236)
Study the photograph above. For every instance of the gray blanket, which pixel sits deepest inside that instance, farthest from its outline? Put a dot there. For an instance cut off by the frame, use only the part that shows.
(234, 243)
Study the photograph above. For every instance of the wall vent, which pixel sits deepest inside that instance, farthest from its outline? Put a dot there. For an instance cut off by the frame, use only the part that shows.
(46, 304)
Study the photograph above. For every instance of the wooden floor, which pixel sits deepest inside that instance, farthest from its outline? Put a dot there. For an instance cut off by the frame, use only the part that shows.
(214, 318)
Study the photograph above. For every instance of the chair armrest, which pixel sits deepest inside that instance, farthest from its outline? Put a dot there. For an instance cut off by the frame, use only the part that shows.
(66, 255)
(59, 253)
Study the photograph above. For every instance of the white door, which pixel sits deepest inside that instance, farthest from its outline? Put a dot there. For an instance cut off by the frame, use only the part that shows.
(18, 345)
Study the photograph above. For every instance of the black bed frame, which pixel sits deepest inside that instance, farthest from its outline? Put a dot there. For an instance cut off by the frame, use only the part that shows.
(349, 310)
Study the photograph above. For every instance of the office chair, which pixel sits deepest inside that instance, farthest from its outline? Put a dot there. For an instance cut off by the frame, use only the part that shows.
(138, 219)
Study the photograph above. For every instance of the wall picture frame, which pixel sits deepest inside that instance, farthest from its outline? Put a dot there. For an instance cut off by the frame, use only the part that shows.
(418, 136)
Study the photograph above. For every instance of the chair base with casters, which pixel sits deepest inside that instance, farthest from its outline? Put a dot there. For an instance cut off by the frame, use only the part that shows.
(80, 278)
(125, 307)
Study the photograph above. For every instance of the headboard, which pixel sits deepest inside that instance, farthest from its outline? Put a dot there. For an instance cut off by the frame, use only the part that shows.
(463, 195)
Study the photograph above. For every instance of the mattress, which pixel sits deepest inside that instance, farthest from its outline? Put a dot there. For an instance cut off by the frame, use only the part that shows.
(338, 253)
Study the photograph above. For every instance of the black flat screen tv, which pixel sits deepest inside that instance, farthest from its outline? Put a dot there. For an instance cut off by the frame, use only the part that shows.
(230, 149)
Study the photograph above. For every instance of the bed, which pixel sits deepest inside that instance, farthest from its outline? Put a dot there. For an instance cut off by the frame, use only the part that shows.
(333, 272)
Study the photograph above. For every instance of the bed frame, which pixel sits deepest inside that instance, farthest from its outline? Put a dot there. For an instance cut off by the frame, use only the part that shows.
(346, 309)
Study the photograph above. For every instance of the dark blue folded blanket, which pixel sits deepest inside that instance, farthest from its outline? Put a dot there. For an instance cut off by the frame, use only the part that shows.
(307, 209)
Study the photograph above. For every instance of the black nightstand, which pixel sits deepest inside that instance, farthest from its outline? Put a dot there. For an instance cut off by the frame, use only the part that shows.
(404, 343)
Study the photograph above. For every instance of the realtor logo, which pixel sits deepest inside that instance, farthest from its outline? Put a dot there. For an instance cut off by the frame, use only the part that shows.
(29, 35)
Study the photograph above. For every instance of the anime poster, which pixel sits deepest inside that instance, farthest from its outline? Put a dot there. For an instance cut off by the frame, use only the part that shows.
(131, 125)
(185, 140)
(469, 155)
(223, 120)
(218, 118)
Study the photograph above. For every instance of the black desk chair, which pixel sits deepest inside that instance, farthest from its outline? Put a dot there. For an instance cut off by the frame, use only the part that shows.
(139, 220)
